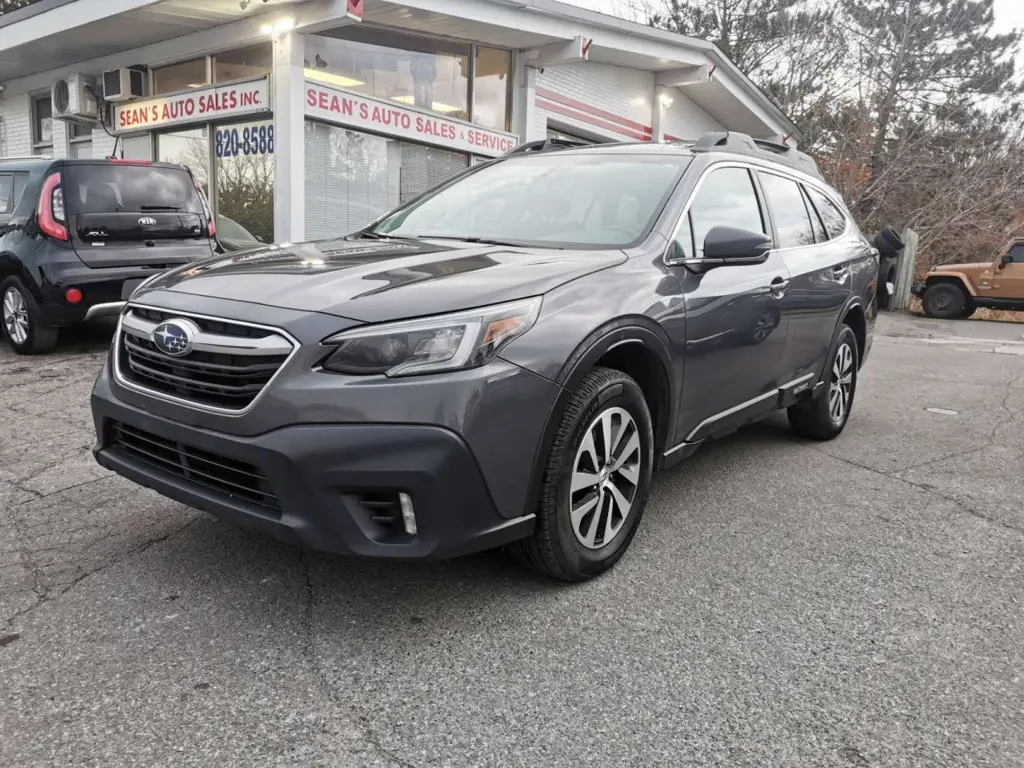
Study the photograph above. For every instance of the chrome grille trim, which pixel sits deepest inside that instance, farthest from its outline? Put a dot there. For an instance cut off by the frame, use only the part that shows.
(277, 341)
(273, 344)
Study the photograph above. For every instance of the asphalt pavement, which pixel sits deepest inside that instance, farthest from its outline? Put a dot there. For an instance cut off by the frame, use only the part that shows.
(850, 604)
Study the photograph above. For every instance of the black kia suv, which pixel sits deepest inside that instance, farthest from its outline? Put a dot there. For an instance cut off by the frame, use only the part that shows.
(77, 236)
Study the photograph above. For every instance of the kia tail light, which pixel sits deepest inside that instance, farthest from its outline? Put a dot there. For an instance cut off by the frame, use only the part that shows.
(52, 218)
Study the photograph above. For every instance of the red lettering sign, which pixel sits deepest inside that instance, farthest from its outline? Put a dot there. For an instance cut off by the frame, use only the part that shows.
(379, 116)
(217, 101)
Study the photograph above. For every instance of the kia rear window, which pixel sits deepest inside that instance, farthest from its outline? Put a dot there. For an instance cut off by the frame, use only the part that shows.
(129, 188)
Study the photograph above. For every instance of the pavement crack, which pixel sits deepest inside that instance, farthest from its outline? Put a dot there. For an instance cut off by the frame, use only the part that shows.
(312, 659)
(45, 594)
(927, 489)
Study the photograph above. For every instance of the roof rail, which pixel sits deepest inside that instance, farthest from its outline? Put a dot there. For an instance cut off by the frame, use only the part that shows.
(731, 141)
(545, 145)
(27, 157)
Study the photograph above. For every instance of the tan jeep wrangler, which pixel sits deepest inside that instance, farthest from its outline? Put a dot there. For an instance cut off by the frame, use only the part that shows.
(957, 290)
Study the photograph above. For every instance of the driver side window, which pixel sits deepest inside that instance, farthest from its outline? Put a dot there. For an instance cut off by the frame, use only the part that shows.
(727, 198)
(1016, 254)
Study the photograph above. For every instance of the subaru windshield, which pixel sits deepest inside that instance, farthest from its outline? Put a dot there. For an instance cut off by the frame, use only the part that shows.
(589, 199)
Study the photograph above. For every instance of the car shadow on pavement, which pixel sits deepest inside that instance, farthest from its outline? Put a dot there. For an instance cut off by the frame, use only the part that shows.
(86, 337)
(490, 586)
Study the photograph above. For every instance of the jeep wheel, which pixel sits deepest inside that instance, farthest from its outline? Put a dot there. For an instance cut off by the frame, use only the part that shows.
(596, 481)
(21, 325)
(825, 417)
(944, 301)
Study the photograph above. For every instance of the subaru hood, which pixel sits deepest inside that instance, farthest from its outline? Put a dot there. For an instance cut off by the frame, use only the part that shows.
(380, 280)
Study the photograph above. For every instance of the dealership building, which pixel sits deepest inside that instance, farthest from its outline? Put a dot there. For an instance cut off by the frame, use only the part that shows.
(306, 119)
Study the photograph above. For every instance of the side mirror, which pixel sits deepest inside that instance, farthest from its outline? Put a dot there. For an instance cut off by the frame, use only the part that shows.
(729, 246)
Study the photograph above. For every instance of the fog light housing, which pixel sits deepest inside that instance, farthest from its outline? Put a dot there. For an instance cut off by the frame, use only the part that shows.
(408, 514)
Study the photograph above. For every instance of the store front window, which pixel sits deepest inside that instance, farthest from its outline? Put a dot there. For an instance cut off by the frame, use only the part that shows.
(179, 77)
(244, 165)
(352, 178)
(190, 147)
(491, 87)
(246, 62)
(414, 71)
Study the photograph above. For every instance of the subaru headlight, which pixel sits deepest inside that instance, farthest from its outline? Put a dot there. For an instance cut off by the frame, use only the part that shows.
(431, 344)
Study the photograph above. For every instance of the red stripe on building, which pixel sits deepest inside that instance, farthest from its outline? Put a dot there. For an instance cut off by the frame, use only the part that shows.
(558, 109)
(579, 105)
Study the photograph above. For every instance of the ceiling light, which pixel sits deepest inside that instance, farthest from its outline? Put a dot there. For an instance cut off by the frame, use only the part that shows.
(328, 79)
(437, 106)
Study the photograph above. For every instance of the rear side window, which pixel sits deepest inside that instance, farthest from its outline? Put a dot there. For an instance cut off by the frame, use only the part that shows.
(833, 218)
(792, 222)
(129, 188)
(726, 199)
(820, 235)
(6, 192)
(20, 180)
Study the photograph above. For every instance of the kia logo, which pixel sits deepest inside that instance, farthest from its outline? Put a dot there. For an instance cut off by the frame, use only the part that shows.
(147, 221)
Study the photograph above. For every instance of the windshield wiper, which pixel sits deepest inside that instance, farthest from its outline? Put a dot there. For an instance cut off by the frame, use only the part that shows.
(488, 241)
(380, 236)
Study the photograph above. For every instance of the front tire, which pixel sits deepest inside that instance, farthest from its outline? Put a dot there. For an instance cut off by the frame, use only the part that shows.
(596, 480)
(20, 320)
(944, 301)
(825, 417)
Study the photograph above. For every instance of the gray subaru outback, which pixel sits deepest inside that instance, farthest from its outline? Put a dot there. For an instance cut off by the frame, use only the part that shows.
(503, 361)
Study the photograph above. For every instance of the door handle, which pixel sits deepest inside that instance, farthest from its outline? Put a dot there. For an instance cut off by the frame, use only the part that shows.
(779, 286)
(839, 272)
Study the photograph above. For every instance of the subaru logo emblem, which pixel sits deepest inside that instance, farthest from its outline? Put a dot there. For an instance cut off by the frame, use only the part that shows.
(147, 221)
(175, 337)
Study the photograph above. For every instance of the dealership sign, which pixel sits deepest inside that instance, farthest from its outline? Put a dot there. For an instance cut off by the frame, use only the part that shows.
(332, 105)
(200, 104)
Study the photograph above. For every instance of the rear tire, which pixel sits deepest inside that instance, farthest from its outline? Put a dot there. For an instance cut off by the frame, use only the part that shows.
(944, 301)
(595, 482)
(825, 417)
(969, 310)
(20, 320)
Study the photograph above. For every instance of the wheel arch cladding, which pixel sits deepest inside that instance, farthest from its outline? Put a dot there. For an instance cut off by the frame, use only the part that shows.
(956, 279)
(11, 266)
(640, 352)
(857, 320)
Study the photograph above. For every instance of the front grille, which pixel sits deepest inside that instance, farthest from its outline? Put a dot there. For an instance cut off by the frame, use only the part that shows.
(223, 327)
(243, 361)
(233, 478)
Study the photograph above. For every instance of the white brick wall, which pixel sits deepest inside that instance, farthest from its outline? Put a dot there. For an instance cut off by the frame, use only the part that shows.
(17, 126)
(626, 93)
(16, 136)
(102, 143)
(60, 139)
(685, 120)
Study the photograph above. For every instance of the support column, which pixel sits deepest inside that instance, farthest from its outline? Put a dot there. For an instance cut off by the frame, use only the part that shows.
(662, 101)
(289, 139)
(524, 104)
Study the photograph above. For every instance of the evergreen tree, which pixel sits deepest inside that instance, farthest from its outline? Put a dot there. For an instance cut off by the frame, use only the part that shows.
(931, 64)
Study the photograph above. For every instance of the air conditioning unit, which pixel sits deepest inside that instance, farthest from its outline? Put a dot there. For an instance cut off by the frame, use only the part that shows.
(123, 84)
(74, 100)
